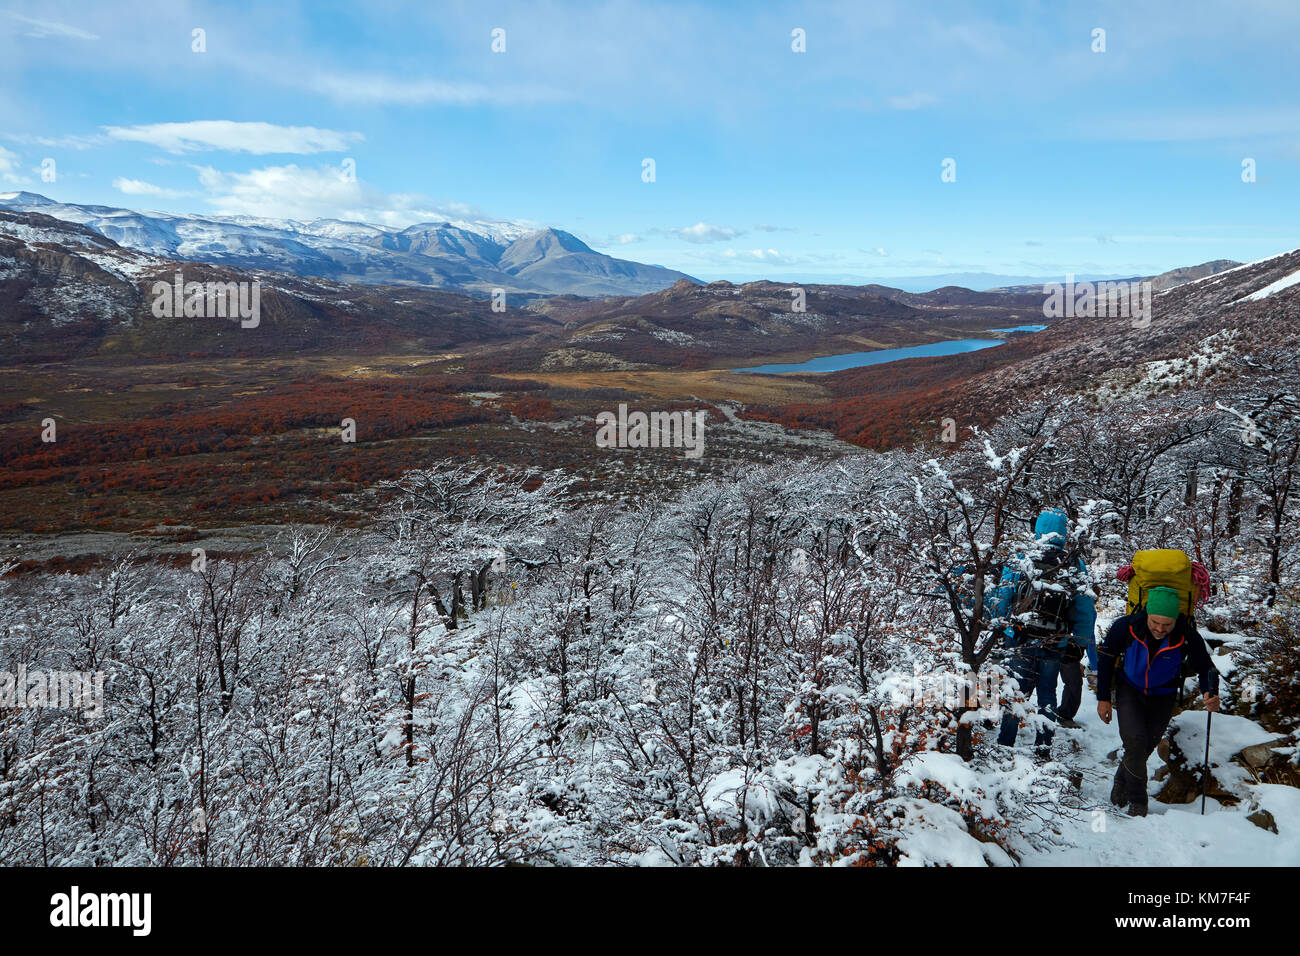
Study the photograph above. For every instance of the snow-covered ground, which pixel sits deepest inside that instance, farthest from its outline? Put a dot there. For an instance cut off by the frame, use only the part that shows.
(1149, 378)
(1283, 283)
(1173, 834)
(1215, 278)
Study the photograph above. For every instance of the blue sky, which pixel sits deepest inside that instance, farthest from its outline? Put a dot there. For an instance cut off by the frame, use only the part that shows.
(823, 164)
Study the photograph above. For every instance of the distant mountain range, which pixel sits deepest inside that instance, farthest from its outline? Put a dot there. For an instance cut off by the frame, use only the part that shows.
(66, 292)
(1159, 283)
(986, 281)
(68, 289)
(472, 257)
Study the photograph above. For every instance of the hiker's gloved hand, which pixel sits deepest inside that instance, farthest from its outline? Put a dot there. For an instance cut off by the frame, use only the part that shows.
(1211, 703)
(1103, 710)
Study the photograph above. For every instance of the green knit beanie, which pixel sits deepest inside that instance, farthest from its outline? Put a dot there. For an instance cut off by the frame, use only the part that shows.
(1164, 602)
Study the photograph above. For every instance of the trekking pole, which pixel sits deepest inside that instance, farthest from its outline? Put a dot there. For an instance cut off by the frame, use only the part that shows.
(1205, 777)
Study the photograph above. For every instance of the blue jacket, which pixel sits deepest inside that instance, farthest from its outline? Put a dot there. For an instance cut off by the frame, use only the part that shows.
(1151, 665)
(1050, 528)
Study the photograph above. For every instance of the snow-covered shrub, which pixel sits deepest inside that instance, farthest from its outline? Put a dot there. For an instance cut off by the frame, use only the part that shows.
(1269, 667)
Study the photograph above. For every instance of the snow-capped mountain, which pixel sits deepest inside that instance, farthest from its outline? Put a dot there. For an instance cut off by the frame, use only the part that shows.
(67, 291)
(470, 256)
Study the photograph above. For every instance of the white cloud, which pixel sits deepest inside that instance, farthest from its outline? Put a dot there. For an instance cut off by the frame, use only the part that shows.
(43, 29)
(704, 232)
(754, 255)
(379, 88)
(295, 192)
(9, 168)
(138, 187)
(257, 138)
(59, 142)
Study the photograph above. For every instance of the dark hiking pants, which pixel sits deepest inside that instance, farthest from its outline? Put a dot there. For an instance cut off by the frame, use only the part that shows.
(1037, 670)
(1072, 678)
(1142, 722)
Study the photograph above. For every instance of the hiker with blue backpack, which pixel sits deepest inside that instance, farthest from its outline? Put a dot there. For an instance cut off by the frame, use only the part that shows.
(1047, 595)
(1145, 657)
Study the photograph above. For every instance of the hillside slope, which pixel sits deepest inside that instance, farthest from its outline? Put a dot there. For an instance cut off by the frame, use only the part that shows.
(1244, 309)
(691, 326)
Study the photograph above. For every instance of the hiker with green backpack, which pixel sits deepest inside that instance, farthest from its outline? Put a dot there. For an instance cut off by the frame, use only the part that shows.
(1143, 658)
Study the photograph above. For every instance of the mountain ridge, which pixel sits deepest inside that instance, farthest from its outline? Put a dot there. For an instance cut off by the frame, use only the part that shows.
(68, 292)
(475, 257)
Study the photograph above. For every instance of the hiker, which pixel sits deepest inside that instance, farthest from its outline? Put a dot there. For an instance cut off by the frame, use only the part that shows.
(1054, 611)
(1154, 641)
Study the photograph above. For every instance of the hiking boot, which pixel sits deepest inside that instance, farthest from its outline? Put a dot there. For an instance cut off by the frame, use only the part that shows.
(1042, 754)
(1070, 724)
(1118, 793)
(1137, 810)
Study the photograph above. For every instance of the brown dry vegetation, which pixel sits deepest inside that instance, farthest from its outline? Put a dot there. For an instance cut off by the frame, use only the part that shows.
(682, 384)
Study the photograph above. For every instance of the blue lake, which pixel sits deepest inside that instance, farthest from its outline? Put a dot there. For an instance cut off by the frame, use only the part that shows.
(836, 363)
(1021, 328)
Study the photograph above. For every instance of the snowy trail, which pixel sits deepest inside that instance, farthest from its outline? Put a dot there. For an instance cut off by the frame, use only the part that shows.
(1173, 835)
